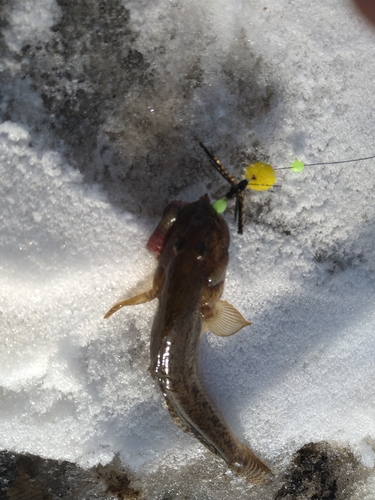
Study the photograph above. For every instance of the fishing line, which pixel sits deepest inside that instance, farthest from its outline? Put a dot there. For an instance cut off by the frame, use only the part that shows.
(298, 166)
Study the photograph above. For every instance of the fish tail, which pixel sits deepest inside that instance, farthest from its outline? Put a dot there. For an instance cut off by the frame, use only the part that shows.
(249, 466)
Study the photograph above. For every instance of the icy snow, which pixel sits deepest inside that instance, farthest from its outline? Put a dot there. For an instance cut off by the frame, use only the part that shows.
(76, 387)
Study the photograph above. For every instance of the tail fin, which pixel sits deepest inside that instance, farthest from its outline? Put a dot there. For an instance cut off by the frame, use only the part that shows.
(249, 466)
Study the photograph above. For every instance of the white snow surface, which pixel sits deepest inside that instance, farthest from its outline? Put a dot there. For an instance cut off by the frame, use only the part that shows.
(76, 387)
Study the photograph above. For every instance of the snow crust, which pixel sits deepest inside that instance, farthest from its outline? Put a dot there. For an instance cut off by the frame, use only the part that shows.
(76, 387)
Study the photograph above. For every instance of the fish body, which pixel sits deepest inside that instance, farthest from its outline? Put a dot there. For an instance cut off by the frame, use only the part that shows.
(189, 282)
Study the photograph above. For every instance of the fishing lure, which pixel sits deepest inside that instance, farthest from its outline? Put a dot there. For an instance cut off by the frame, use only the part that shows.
(258, 176)
(236, 189)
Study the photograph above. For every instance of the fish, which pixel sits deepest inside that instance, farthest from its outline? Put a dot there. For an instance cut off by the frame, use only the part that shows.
(191, 243)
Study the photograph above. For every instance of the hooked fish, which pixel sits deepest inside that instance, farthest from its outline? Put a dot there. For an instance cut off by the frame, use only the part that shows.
(191, 243)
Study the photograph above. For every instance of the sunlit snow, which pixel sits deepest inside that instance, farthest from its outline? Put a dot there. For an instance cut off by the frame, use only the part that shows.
(76, 387)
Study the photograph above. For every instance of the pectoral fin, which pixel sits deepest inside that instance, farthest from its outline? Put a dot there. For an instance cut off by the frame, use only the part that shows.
(137, 299)
(225, 320)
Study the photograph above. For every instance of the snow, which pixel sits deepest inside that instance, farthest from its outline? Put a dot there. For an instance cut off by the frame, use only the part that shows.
(277, 80)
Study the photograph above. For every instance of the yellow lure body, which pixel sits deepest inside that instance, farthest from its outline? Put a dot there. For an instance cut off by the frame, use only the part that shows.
(260, 175)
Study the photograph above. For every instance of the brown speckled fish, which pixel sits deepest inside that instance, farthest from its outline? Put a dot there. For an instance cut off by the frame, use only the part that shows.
(193, 241)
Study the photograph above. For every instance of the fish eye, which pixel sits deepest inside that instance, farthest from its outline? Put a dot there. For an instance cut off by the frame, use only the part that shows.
(215, 279)
(179, 244)
(201, 250)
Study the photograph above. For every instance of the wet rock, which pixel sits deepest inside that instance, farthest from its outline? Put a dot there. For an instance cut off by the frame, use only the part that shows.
(29, 477)
(321, 471)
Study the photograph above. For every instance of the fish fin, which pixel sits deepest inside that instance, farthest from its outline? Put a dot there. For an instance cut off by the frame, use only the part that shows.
(137, 299)
(249, 466)
(226, 320)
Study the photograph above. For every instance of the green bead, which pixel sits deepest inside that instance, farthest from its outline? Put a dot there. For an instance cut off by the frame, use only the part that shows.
(297, 166)
(220, 205)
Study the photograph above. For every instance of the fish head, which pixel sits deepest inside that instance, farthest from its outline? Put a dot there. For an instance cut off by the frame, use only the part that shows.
(196, 244)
